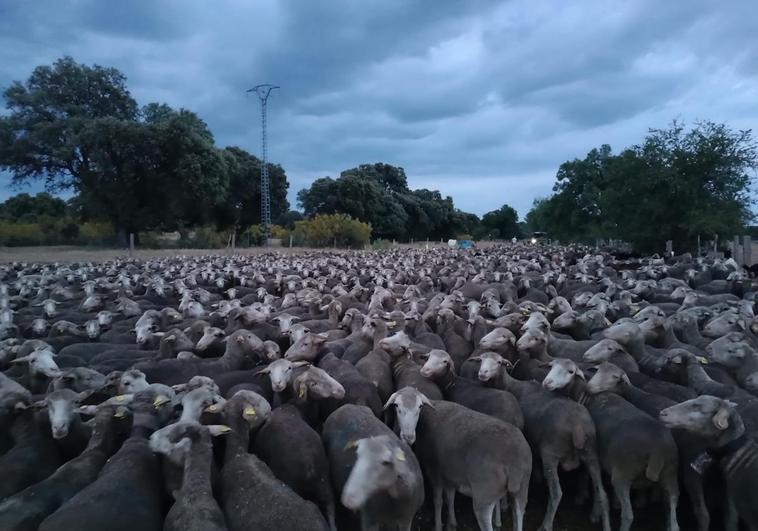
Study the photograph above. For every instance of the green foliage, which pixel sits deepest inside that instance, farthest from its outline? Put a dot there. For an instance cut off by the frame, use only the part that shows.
(55, 231)
(501, 223)
(241, 206)
(155, 168)
(378, 194)
(327, 230)
(24, 208)
(676, 185)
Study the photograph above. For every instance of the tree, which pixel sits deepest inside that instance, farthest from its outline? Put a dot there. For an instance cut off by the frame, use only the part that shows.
(78, 128)
(378, 194)
(241, 205)
(501, 223)
(676, 185)
(24, 208)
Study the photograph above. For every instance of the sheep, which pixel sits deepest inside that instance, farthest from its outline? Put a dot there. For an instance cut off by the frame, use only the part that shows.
(481, 456)
(294, 453)
(129, 483)
(717, 421)
(632, 446)
(613, 379)
(194, 508)
(240, 345)
(25, 510)
(34, 455)
(251, 496)
(372, 470)
(358, 389)
(560, 431)
(495, 402)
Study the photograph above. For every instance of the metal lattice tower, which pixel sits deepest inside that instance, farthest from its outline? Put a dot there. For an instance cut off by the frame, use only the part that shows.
(263, 91)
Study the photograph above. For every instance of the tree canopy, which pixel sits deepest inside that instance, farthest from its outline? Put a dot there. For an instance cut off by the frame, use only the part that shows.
(78, 128)
(675, 185)
(378, 194)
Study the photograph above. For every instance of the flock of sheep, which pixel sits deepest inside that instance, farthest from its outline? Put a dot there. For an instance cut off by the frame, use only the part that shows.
(356, 390)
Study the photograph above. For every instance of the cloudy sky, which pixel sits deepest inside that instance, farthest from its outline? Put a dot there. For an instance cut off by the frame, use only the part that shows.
(479, 99)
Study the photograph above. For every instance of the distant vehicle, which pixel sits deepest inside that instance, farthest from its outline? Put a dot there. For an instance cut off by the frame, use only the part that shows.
(538, 237)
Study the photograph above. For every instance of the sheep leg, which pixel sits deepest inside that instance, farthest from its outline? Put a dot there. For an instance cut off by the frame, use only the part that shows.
(366, 524)
(731, 516)
(437, 499)
(550, 472)
(694, 488)
(671, 488)
(330, 515)
(622, 486)
(496, 516)
(600, 509)
(519, 505)
(452, 522)
(483, 513)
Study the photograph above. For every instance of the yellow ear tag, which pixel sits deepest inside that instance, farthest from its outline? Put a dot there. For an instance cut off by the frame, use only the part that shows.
(702, 360)
(391, 323)
(212, 408)
(301, 394)
(400, 455)
(120, 398)
(350, 444)
(249, 412)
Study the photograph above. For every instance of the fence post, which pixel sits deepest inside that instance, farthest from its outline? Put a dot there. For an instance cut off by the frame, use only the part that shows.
(234, 241)
(747, 251)
(290, 241)
(670, 247)
(131, 244)
(736, 254)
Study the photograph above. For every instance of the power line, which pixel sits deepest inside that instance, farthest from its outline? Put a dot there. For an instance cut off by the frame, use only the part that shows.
(263, 91)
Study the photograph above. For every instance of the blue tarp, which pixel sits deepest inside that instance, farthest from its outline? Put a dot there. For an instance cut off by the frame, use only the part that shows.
(465, 244)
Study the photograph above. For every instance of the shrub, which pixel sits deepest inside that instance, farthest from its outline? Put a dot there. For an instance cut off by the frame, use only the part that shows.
(96, 233)
(327, 230)
(21, 234)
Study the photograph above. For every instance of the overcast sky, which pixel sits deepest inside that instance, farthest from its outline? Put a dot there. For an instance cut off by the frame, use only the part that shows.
(479, 99)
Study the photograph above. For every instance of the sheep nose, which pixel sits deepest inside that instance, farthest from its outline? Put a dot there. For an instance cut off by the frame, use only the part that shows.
(547, 384)
(483, 376)
(59, 433)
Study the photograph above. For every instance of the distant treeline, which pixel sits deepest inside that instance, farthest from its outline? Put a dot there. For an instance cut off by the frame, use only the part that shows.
(677, 184)
(150, 169)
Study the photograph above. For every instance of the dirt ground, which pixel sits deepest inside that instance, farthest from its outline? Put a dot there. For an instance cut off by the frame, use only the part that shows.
(84, 254)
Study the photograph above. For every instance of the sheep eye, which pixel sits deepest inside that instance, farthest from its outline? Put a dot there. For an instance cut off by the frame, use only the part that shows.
(386, 462)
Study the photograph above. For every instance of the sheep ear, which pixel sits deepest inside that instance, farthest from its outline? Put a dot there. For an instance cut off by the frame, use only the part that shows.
(721, 419)
(741, 323)
(301, 363)
(580, 374)
(218, 429)
(390, 401)
(425, 401)
(478, 357)
(23, 359)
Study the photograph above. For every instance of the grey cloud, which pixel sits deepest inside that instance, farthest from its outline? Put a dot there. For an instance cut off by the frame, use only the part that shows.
(480, 99)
